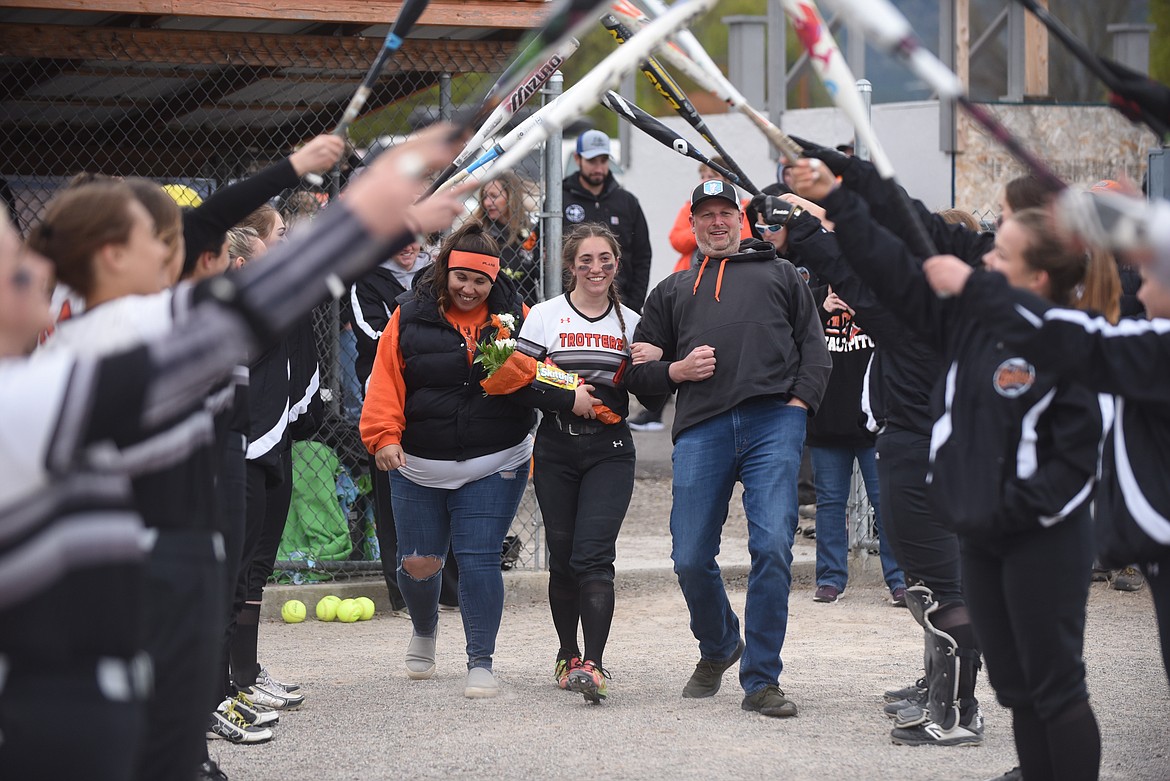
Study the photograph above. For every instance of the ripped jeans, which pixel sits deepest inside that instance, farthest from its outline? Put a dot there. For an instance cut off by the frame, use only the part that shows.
(472, 520)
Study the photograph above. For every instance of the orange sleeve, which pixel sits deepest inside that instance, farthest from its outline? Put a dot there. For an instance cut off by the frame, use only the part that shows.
(384, 411)
(745, 231)
(681, 237)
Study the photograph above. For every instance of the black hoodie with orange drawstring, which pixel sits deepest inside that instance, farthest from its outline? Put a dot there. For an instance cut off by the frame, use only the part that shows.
(758, 314)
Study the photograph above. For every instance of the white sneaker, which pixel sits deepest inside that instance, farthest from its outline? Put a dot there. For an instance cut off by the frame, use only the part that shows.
(231, 726)
(420, 656)
(252, 713)
(273, 697)
(267, 680)
(481, 684)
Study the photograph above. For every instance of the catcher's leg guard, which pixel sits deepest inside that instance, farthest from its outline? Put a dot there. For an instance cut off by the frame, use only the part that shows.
(942, 661)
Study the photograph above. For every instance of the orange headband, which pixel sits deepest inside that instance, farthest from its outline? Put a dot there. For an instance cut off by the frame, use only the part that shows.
(488, 265)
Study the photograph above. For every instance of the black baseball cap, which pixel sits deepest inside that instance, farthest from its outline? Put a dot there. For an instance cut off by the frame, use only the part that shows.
(714, 188)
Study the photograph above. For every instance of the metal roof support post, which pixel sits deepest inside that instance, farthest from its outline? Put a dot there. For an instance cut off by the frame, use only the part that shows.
(552, 218)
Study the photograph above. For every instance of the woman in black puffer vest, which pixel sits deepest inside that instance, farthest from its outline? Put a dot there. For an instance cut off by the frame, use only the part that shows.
(458, 459)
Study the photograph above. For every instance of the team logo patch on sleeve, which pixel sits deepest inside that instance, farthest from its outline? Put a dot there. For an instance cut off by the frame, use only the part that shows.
(574, 212)
(1013, 377)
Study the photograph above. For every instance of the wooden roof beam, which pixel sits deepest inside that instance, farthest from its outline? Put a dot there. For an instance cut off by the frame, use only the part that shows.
(500, 14)
(216, 48)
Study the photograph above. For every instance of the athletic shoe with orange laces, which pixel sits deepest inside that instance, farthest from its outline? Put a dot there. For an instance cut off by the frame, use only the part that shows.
(590, 680)
(563, 668)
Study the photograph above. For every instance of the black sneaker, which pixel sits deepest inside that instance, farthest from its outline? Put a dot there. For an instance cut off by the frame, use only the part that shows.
(770, 701)
(1015, 774)
(646, 421)
(1128, 579)
(917, 699)
(911, 692)
(708, 675)
(209, 771)
(827, 594)
(930, 734)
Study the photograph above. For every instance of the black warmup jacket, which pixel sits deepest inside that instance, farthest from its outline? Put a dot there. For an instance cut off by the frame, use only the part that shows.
(617, 209)
(862, 178)
(905, 367)
(758, 314)
(373, 298)
(284, 395)
(1131, 361)
(228, 205)
(1014, 447)
(841, 422)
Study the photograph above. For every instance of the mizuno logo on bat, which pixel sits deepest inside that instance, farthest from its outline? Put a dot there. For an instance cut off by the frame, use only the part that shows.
(528, 88)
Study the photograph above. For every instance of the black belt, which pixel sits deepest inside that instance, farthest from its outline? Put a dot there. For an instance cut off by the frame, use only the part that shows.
(576, 426)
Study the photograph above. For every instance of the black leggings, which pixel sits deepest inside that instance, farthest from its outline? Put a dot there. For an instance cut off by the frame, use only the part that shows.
(583, 484)
(268, 499)
(1026, 594)
(925, 548)
(232, 490)
(269, 493)
(1158, 576)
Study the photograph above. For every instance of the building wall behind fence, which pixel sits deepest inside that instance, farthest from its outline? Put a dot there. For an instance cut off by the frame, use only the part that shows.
(1082, 144)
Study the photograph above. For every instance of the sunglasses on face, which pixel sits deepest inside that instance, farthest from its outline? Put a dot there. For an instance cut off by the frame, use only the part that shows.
(762, 228)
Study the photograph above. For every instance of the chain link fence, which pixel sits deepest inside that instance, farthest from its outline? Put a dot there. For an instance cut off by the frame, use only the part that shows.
(203, 109)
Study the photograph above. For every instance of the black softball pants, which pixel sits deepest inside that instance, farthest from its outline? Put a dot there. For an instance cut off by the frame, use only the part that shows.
(1026, 594)
(926, 549)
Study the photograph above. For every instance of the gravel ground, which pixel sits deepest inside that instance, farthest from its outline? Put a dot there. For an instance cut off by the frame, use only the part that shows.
(363, 719)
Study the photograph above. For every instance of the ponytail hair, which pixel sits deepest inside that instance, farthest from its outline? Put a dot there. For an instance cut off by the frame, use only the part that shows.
(77, 223)
(1101, 290)
(571, 245)
(1075, 279)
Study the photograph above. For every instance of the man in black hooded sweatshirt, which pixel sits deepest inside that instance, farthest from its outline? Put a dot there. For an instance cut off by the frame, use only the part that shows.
(742, 419)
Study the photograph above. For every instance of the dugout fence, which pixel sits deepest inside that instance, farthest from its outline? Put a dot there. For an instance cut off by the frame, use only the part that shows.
(130, 102)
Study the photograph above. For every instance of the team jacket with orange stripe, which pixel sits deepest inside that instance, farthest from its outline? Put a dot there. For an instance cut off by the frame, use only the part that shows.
(1013, 447)
(1127, 360)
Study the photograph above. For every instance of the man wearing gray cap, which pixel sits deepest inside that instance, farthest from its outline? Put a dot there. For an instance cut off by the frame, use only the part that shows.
(591, 194)
(742, 342)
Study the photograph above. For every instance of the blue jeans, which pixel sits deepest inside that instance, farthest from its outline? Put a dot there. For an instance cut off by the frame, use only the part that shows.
(472, 521)
(832, 472)
(759, 443)
(351, 389)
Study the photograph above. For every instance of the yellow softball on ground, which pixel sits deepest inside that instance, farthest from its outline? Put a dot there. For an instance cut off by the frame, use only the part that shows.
(349, 611)
(293, 611)
(327, 608)
(367, 606)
